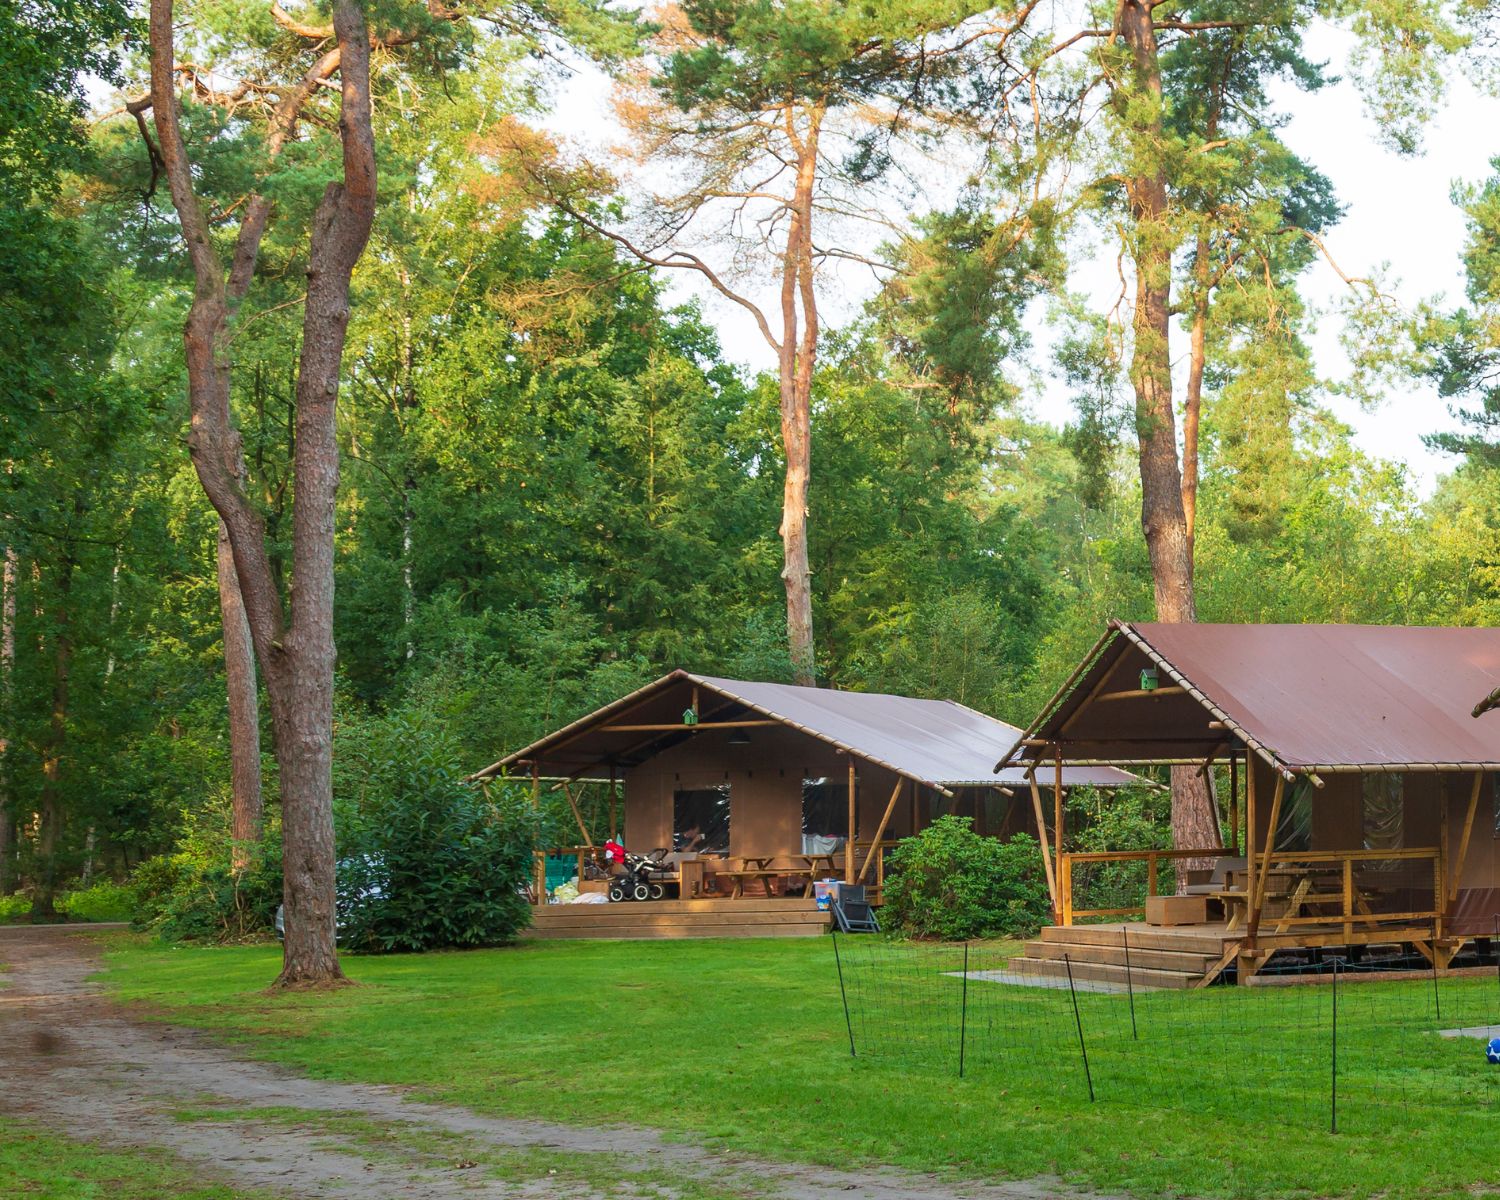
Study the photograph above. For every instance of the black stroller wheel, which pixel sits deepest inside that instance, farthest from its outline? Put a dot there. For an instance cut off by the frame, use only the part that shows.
(641, 891)
(616, 892)
(658, 891)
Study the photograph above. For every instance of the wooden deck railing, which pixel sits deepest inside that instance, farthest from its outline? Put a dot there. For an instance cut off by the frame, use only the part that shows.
(1309, 873)
(1150, 857)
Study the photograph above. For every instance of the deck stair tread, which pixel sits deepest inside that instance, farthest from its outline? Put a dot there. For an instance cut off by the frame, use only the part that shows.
(1137, 956)
(1100, 972)
(681, 919)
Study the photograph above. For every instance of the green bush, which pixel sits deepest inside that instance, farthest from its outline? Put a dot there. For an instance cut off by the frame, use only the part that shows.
(13, 908)
(102, 901)
(193, 894)
(426, 860)
(948, 882)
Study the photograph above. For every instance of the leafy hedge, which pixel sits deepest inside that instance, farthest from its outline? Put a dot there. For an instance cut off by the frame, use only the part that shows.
(949, 882)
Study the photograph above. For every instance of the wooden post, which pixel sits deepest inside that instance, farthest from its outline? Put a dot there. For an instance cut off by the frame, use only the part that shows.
(1057, 819)
(613, 825)
(1065, 887)
(1234, 805)
(1259, 897)
(853, 827)
(1249, 843)
(1348, 897)
(536, 812)
(880, 832)
(1041, 833)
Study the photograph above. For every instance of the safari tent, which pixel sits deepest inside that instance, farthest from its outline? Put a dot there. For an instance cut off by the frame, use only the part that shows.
(1361, 803)
(775, 785)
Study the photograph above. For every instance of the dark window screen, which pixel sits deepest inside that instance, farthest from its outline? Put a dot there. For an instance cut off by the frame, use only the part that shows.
(700, 819)
(825, 807)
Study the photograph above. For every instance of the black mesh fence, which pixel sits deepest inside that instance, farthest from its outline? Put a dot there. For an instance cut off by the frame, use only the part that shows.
(1348, 1046)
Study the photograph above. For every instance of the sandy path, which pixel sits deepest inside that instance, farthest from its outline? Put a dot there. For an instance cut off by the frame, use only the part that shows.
(73, 1061)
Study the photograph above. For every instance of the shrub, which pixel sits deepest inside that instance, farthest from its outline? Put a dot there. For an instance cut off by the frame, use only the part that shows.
(948, 882)
(15, 907)
(193, 895)
(426, 860)
(102, 901)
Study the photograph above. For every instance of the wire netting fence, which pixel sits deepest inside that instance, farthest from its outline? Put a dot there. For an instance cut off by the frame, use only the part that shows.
(1352, 1049)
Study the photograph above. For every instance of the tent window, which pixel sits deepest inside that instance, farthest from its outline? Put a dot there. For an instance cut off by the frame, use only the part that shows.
(700, 819)
(1294, 831)
(1385, 811)
(825, 813)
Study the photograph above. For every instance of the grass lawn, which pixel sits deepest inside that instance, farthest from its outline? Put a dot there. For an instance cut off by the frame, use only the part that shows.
(38, 1165)
(742, 1043)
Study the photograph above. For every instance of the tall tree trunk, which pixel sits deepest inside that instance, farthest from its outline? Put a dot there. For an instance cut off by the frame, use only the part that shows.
(10, 577)
(247, 807)
(50, 804)
(797, 360)
(1164, 519)
(295, 650)
(304, 711)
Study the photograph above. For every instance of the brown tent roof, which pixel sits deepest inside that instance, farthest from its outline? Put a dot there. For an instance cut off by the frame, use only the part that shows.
(935, 742)
(1306, 697)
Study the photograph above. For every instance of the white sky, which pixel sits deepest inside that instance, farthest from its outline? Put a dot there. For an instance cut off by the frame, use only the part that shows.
(1399, 215)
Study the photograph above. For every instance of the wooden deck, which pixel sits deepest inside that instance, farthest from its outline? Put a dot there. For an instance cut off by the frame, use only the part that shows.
(747, 917)
(1177, 956)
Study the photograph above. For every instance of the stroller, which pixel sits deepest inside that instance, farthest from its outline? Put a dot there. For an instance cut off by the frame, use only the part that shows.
(636, 882)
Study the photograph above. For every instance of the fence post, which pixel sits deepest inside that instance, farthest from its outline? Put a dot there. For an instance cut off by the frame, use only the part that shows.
(839, 962)
(1078, 1020)
(1129, 983)
(963, 1013)
(1437, 999)
(1333, 1095)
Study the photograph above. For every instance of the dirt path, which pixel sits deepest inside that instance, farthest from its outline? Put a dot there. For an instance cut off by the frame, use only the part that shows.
(71, 1060)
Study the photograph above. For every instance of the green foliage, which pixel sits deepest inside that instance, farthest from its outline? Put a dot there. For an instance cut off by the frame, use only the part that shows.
(194, 894)
(949, 882)
(101, 901)
(426, 860)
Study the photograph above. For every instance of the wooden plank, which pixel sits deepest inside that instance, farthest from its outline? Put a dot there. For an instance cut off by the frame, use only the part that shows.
(1057, 824)
(885, 820)
(1041, 831)
(1217, 968)
(678, 726)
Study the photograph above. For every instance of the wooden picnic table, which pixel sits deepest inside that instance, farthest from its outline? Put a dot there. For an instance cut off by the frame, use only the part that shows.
(761, 866)
(1298, 887)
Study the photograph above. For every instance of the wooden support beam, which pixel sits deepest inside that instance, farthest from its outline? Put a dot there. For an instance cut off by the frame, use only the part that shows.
(1234, 804)
(1250, 880)
(853, 826)
(1457, 870)
(885, 820)
(1041, 833)
(578, 816)
(1139, 693)
(670, 727)
(1258, 898)
(540, 882)
(1057, 827)
(614, 828)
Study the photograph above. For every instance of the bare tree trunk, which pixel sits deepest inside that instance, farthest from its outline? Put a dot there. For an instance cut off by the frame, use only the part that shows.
(798, 354)
(247, 806)
(10, 576)
(50, 806)
(1164, 518)
(295, 652)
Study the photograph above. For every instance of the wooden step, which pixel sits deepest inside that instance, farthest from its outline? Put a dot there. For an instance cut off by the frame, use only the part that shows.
(1139, 957)
(1095, 972)
(637, 933)
(646, 920)
(1186, 939)
(723, 904)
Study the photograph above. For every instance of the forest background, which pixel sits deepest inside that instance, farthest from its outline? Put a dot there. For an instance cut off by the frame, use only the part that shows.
(556, 485)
